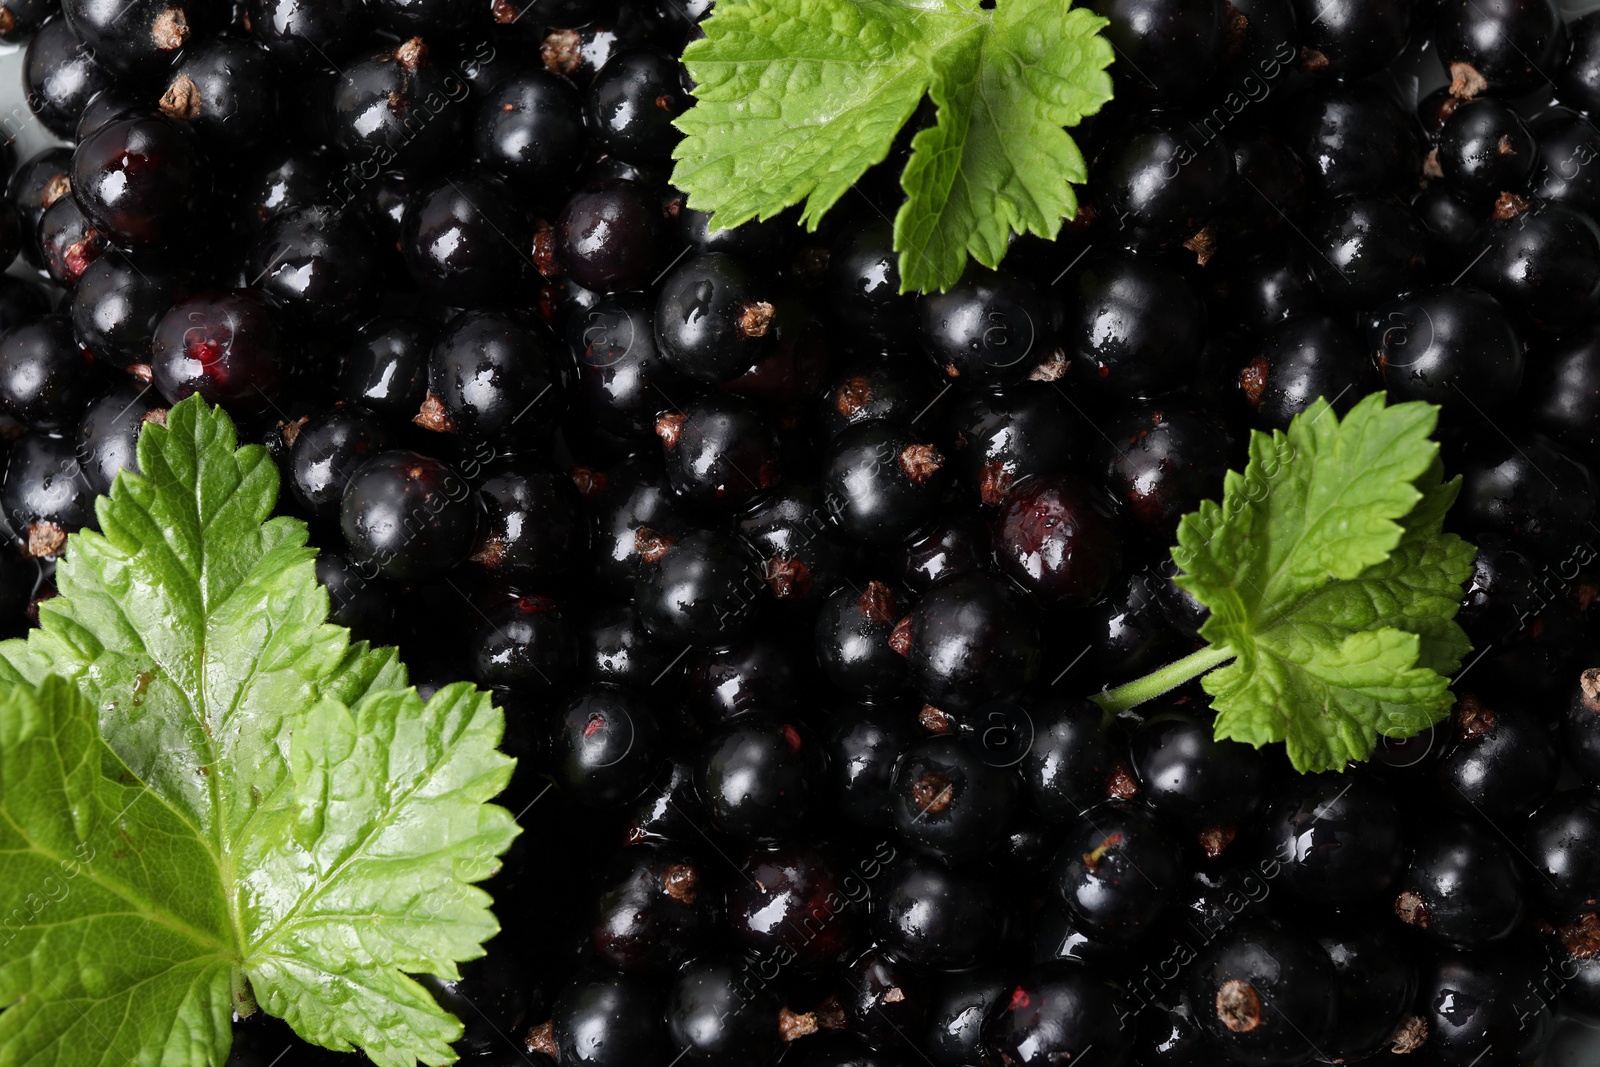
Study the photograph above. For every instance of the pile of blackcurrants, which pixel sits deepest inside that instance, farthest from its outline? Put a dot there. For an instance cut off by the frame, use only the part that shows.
(792, 586)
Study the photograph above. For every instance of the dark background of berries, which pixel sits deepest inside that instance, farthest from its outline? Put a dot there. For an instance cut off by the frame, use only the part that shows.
(791, 586)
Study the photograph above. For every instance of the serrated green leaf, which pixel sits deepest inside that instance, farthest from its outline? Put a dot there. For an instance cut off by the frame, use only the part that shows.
(114, 938)
(795, 99)
(999, 161)
(392, 821)
(1328, 577)
(195, 624)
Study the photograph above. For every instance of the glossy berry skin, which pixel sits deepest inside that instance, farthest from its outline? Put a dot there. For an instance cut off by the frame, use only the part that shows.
(1334, 840)
(1178, 44)
(1071, 764)
(116, 306)
(1564, 140)
(610, 235)
(957, 545)
(862, 743)
(719, 452)
(1349, 39)
(44, 376)
(656, 905)
(801, 557)
(25, 18)
(929, 914)
(535, 532)
(792, 904)
(767, 671)
(1370, 248)
(1509, 44)
(317, 263)
(139, 179)
(1562, 391)
(614, 646)
(1580, 731)
(1448, 345)
(883, 1000)
(605, 746)
(1543, 264)
(623, 381)
(1452, 223)
(69, 242)
(990, 329)
(524, 644)
(756, 777)
(609, 1020)
(632, 103)
(887, 386)
(949, 802)
(364, 603)
(1135, 184)
(957, 1010)
(1299, 360)
(1502, 763)
(1133, 329)
(1001, 438)
(1057, 1014)
(1193, 780)
(445, 18)
(970, 642)
(225, 90)
(702, 591)
(308, 34)
(1486, 149)
(864, 288)
(284, 179)
(327, 450)
(132, 38)
(228, 347)
(715, 1019)
(633, 497)
(1483, 1007)
(494, 376)
(59, 76)
(1462, 886)
(714, 318)
(397, 110)
(852, 642)
(408, 516)
(1254, 293)
(1355, 140)
(108, 433)
(1117, 871)
(1377, 984)
(1265, 995)
(37, 183)
(529, 130)
(881, 483)
(466, 243)
(1159, 460)
(386, 367)
(1526, 488)
(764, 243)
(44, 492)
(1058, 537)
(1559, 842)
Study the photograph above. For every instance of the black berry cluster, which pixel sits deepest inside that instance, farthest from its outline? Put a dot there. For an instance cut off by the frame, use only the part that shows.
(791, 586)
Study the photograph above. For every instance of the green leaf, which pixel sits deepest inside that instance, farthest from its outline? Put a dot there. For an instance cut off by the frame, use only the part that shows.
(1328, 578)
(194, 623)
(999, 161)
(114, 936)
(795, 99)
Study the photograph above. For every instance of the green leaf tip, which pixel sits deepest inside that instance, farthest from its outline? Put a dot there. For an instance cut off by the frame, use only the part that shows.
(1332, 587)
(796, 99)
(242, 779)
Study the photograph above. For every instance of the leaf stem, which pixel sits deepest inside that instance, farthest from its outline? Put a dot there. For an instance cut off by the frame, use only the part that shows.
(1159, 681)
